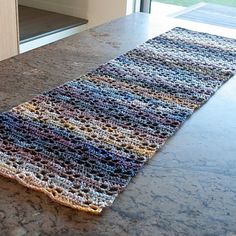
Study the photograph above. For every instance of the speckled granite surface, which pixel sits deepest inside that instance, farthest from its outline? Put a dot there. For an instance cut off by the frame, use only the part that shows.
(189, 188)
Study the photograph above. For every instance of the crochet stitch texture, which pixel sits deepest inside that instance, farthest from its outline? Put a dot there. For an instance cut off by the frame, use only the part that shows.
(82, 142)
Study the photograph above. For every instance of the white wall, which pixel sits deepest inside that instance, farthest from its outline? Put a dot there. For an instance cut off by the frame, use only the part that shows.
(96, 11)
(132, 6)
(101, 11)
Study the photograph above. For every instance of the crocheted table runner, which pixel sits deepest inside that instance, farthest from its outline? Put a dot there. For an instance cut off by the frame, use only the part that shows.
(82, 142)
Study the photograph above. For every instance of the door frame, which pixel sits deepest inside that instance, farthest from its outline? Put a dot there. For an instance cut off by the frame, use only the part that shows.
(145, 6)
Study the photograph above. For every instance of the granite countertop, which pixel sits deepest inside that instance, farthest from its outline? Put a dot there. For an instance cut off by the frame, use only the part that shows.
(188, 188)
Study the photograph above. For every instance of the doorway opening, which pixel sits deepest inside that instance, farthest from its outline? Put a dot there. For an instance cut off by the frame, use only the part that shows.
(38, 27)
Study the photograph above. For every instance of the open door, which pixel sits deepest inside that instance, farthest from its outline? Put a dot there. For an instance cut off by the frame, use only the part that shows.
(8, 29)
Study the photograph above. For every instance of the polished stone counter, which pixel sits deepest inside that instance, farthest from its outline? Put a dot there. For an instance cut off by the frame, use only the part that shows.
(188, 188)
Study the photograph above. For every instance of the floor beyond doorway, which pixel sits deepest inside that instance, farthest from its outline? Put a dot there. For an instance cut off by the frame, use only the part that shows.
(212, 14)
(192, 2)
(35, 23)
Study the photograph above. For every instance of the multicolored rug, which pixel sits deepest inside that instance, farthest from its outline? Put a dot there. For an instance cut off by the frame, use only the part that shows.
(82, 142)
